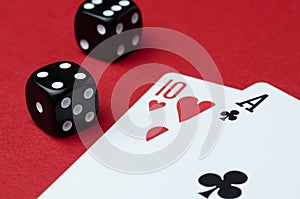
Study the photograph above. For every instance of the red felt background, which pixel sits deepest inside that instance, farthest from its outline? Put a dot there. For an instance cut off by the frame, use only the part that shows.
(250, 41)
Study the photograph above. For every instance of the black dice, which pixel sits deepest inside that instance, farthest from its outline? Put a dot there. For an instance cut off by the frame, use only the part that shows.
(62, 98)
(97, 20)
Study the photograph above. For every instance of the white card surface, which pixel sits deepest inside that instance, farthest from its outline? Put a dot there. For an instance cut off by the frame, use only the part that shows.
(263, 145)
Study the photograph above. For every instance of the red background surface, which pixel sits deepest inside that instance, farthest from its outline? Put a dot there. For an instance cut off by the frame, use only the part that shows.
(250, 41)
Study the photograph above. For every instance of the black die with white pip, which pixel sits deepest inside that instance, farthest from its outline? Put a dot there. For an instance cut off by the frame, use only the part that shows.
(62, 98)
(98, 20)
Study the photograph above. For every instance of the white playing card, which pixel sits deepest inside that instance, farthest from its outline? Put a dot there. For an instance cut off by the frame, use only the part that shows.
(260, 145)
(129, 134)
(87, 174)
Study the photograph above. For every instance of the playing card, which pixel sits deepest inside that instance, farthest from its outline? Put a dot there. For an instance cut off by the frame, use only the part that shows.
(129, 147)
(163, 124)
(256, 157)
(187, 138)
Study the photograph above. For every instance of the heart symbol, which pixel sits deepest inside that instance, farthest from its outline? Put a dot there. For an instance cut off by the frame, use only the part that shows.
(154, 132)
(188, 107)
(155, 105)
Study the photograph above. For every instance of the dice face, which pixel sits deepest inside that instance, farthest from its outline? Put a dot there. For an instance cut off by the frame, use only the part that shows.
(97, 20)
(62, 98)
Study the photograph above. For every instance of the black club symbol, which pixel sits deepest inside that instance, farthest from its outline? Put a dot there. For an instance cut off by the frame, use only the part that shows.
(232, 115)
(226, 190)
